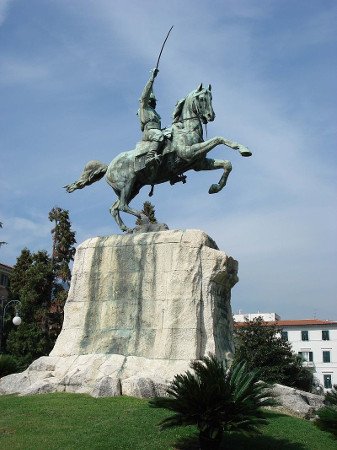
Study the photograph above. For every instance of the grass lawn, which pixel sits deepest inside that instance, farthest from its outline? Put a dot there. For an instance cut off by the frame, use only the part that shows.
(73, 421)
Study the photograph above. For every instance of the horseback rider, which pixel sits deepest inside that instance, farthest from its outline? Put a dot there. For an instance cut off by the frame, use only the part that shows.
(150, 123)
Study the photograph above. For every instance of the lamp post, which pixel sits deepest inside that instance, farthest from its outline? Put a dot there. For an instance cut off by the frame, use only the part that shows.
(16, 319)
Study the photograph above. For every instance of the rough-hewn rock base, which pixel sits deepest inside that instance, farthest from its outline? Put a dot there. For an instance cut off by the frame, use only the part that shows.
(140, 307)
(296, 402)
(97, 375)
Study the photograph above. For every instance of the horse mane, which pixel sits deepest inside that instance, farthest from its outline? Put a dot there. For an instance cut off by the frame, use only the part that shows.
(178, 110)
(180, 104)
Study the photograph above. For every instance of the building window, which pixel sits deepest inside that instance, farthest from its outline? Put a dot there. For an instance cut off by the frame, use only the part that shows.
(4, 281)
(325, 335)
(306, 356)
(305, 335)
(284, 335)
(327, 381)
(326, 357)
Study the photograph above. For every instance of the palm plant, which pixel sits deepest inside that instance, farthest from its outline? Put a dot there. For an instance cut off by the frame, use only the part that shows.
(327, 416)
(216, 400)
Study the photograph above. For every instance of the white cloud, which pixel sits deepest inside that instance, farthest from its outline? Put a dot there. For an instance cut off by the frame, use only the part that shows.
(19, 232)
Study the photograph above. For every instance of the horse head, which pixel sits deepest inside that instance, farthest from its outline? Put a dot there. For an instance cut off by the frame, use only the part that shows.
(201, 104)
(196, 105)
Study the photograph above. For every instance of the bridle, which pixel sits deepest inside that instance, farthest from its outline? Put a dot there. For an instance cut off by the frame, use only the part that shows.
(198, 113)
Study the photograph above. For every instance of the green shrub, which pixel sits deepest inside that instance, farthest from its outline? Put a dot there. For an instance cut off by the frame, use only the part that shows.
(8, 365)
(327, 419)
(327, 416)
(28, 342)
(331, 396)
(216, 400)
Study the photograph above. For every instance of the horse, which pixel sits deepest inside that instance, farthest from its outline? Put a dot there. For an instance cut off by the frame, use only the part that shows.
(184, 150)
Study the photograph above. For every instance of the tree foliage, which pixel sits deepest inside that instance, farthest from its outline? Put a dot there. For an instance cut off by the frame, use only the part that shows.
(28, 342)
(216, 400)
(63, 243)
(31, 283)
(260, 346)
(149, 211)
(62, 254)
(41, 283)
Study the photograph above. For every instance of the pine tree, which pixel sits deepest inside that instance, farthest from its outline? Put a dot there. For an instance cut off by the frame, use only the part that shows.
(149, 211)
(63, 243)
(63, 253)
(260, 346)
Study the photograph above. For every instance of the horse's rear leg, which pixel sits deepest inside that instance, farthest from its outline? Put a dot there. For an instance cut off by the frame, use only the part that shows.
(216, 187)
(213, 164)
(126, 195)
(114, 211)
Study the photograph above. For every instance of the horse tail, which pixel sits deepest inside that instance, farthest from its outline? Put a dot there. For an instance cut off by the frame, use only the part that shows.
(92, 172)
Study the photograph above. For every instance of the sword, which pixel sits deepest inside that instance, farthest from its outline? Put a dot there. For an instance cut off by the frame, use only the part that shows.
(162, 48)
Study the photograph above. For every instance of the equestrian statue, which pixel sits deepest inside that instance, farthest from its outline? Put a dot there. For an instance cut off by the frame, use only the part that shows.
(163, 154)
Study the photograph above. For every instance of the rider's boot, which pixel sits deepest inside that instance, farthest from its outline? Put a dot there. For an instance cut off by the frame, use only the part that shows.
(152, 162)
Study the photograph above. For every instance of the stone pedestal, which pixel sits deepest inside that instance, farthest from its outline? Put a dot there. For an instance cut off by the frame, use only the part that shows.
(140, 307)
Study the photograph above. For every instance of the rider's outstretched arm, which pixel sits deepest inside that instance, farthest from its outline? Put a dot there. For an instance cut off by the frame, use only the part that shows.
(145, 97)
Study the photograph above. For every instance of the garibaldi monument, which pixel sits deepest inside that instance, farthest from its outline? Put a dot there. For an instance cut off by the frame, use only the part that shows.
(144, 303)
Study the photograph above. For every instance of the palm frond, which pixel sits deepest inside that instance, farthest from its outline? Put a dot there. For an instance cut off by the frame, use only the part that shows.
(216, 400)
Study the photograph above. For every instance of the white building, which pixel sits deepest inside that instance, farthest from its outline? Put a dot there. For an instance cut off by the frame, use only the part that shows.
(267, 317)
(314, 340)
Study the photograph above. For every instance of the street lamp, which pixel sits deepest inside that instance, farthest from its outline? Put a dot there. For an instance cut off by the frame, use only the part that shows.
(16, 319)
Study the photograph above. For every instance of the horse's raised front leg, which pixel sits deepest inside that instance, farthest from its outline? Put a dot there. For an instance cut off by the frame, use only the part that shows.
(202, 148)
(213, 164)
(236, 146)
(190, 152)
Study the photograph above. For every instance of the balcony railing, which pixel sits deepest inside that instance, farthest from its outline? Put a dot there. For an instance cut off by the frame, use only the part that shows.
(308, 364)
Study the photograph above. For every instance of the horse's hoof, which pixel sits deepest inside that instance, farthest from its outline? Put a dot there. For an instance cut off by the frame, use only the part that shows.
(214, 189)
(246, 153)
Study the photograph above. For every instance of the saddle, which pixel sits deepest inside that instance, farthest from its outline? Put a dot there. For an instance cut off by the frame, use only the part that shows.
(143, 148)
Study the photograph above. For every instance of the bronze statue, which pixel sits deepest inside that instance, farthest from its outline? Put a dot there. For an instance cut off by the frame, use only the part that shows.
(150, 123)
(157, 159)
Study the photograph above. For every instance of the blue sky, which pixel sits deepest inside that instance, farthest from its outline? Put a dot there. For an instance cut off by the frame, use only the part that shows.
(71, 73)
